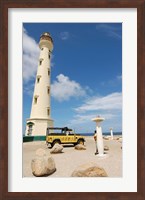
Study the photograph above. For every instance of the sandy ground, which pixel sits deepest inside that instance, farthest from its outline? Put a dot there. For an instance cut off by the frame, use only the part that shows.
(68, 161)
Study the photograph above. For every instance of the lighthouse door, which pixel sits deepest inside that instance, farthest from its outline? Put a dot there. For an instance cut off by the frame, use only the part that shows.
(30, 128)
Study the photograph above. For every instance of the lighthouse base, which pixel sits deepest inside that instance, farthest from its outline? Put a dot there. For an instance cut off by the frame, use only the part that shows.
(37, 126)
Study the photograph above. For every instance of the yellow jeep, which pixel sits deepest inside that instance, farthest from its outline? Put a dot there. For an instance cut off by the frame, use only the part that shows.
(63, 136)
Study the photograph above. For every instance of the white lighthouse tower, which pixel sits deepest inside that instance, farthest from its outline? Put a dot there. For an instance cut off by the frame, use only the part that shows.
(40, 117)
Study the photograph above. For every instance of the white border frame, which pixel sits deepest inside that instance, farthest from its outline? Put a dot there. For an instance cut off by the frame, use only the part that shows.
(128, 183)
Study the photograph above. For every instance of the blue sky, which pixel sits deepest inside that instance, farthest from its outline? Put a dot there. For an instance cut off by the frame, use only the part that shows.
(86, 73)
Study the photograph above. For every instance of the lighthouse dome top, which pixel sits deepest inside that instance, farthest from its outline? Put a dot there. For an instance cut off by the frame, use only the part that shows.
(46, 41)
(46, 34)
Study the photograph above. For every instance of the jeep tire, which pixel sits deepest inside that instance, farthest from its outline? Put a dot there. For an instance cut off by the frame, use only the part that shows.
(80, 142)
(56, 142)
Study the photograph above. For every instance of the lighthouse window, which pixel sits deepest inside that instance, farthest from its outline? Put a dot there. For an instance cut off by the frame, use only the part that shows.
(49, 56)
(48, 90)
(42, 49)
(40, 62)
(35, 100)
(48, 111)
(48, 72)
(38, 80)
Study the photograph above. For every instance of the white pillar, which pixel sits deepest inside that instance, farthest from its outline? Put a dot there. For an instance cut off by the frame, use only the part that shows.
(40, 110)
(100, 143)
(111, 132)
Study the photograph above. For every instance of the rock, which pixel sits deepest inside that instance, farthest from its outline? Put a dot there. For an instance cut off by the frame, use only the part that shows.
(57, 148)
(43, 166)
(106, 148)
(89, 170)
(40, 152)
(119, 139)
(107, 138)
(80, 147)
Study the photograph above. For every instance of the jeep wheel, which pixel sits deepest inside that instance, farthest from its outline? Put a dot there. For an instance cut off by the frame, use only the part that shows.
(56, 142)
(80, 142)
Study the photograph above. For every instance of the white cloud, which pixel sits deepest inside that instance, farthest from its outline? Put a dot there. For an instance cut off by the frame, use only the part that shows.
(28, 89)
(108, 107)
(64, 35)
(110, 30)
(63, 88)
(110, 102)
(112, 82)
(85, 118)
(119, 77)
(30, 56)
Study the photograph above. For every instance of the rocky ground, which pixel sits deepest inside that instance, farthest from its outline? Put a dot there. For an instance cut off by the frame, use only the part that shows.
(70, 158)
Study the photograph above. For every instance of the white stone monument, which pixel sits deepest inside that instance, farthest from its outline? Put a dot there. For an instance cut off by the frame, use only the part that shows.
(111, 133)
(40, 117)
(100, 143)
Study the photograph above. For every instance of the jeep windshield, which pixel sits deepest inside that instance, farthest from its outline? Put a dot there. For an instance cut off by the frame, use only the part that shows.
(62, 131)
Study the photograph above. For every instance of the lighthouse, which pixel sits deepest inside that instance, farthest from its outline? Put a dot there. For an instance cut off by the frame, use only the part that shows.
(40, 117)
